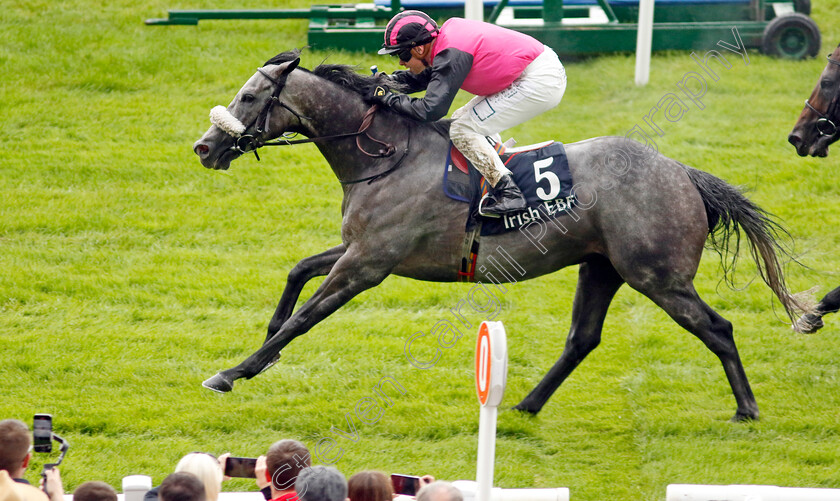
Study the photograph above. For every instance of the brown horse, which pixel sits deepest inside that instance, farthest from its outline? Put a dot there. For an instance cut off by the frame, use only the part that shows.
(815, 130)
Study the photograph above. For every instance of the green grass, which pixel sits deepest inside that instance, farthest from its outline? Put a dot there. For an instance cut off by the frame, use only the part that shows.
(130, 273)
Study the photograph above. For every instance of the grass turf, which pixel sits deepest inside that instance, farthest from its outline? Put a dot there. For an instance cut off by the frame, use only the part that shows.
(131, 273)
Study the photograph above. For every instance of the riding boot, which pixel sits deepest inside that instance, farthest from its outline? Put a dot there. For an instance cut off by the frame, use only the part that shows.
(505, 197)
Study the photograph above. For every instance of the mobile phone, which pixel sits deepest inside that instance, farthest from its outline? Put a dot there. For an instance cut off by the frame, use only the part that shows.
(240, 467)
(405, 484)
(42, 433)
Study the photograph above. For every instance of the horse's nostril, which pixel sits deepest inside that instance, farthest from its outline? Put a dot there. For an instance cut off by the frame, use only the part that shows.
(201, 149)
(794, 139)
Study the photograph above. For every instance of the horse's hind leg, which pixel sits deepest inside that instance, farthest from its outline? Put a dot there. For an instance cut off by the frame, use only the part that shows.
(306, 269)
(686, 308)
(812, 322)
(597, 284)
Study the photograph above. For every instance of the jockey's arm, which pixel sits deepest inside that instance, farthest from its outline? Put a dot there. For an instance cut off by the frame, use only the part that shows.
(410, 82)
(445, 76)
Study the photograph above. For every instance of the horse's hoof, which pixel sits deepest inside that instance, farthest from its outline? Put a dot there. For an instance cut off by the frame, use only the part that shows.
(524, 410)
(218, 383)
(741, 417)
(808, 324)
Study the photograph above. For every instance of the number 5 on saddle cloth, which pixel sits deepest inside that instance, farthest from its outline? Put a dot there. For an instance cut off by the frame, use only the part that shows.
(541, 171)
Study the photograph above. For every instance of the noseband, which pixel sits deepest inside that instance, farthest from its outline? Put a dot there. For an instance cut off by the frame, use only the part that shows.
(246, 143)
(825, 126)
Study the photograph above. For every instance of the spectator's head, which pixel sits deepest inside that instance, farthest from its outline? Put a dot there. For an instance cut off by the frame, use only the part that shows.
(15, 441)
(94, 491)
(207, 468)
(320, 483)
(370, 486)
(439, 491)
(284, 461)
(181, 486)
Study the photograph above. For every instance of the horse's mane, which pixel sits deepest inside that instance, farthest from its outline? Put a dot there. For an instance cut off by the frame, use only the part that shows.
(348, 77)
(344, 75)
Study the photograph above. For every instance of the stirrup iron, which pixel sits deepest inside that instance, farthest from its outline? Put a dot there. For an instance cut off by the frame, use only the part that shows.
(481, 205)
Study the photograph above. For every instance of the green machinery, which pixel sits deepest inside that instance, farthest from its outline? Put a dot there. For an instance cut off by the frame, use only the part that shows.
(573, 27)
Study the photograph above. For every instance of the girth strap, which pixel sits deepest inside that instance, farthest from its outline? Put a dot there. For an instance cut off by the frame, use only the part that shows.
(469, 254)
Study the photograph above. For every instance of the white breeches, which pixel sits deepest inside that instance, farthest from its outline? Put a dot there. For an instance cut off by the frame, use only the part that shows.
(539, 88)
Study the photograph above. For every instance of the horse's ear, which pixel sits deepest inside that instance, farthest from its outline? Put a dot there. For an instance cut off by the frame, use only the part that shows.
(287, 67)
(284, 68)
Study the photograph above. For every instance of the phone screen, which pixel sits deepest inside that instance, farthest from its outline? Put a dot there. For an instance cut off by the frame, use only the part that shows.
(42, 433)
(405, 484)
(240, 467)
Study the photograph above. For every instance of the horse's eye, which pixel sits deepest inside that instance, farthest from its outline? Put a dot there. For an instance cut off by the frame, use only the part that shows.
(247, 98)
(826, 84)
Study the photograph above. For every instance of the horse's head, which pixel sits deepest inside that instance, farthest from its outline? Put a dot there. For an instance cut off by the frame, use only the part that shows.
(819, 123)
(255, 115)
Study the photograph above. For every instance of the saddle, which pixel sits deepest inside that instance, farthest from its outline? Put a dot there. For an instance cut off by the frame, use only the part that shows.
(540, 170)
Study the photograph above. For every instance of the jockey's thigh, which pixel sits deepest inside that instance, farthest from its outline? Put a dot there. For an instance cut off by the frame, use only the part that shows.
(539, 88)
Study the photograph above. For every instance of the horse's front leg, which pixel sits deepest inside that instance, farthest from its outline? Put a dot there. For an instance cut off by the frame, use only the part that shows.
(307, 269)
(354, 272)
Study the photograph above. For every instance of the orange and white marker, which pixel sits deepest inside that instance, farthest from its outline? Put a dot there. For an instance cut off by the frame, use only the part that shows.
(490, 377)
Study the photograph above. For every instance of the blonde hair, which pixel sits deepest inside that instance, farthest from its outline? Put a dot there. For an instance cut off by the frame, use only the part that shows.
(206, 468)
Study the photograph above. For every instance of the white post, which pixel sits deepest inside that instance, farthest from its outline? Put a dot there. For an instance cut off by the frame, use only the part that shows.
(486, 451)
(490, 378)
(643, 42)
(474, 9)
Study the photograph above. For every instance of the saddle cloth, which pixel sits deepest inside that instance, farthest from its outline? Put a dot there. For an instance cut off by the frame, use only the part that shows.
(541, 171)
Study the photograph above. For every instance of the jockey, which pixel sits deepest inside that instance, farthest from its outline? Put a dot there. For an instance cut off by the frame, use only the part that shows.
(513, 77)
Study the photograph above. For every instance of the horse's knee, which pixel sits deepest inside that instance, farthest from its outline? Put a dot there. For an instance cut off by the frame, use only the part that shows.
(299, 272)
(579, 345)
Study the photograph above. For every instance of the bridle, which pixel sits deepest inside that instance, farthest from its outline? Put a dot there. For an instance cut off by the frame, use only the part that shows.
(825, 126)
(246, 143)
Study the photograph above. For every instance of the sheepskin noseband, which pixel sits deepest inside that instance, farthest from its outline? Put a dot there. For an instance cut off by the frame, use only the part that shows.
(221, 118)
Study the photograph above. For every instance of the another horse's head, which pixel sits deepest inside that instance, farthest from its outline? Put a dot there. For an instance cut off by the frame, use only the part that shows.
(819, 123)
(255, 115)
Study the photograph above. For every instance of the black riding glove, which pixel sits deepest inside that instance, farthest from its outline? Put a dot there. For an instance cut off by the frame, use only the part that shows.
(376, 94)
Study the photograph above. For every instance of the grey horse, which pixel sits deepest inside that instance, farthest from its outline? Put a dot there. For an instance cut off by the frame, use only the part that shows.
(641, 219)
(815, 130)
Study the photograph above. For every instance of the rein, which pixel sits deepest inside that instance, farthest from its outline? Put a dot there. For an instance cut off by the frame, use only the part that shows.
(825, 126)
(246, 143)
(386, 151)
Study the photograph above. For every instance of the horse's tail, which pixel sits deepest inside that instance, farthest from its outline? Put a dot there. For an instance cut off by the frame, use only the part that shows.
(727, 210)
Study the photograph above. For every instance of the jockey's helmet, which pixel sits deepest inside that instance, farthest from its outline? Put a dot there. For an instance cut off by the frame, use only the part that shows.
(408, 29)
